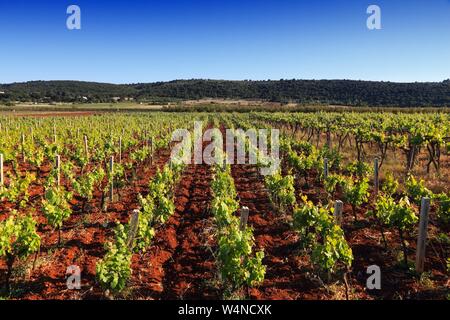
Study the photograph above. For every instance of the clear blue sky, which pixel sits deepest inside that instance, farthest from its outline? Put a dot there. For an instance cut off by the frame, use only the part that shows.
(145, 41)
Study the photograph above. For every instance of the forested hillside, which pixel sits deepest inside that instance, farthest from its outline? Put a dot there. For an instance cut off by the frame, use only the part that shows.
(340, 92)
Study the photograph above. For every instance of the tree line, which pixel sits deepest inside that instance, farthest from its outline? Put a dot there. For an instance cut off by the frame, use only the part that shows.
(335, 92)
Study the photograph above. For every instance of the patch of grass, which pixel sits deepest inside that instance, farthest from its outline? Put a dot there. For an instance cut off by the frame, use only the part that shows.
(233, 295)
(337, 290)
(425, 280)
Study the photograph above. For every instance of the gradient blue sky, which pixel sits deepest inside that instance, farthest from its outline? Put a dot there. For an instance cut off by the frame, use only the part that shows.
(145, 41)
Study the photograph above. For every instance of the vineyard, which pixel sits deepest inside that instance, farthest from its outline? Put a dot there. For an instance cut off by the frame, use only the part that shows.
(95, 207)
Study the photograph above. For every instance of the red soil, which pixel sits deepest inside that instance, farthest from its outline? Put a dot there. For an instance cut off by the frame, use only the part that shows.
(83, 237)
(180, 263)
(289, 272)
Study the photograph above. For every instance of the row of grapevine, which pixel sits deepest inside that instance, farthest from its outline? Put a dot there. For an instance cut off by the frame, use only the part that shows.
(238, 264)
(409, 133)
(319, 225)
(76, 163)
(114, 270)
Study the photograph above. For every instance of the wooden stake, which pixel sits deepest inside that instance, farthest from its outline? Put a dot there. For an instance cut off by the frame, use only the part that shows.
(111, 170)
(329, 139)
(423, 230)
(376, 176)
(134, 224)
(120, 149)
(325, 168)
(86, 151)
(244, 218)
(338, 208)
(58, 170)
(23, 147)
(151, 145)
(2, 178)
(151, 150)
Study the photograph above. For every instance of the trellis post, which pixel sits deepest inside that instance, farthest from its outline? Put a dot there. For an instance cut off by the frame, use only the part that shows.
(58, 170)
(134, 224)
(224, 164)
(422, 238)
(120, 149)
(2, 178)
(23, 146)
(151, 150)
(111, 170)
(376, 176)
(86, 151)
(338, 208)
(244, 218)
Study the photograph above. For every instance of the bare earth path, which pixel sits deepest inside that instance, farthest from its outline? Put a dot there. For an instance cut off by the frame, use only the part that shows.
(180, 264)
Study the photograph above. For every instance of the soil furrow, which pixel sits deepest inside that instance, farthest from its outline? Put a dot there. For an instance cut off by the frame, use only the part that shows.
(180, 265)
(191, 266)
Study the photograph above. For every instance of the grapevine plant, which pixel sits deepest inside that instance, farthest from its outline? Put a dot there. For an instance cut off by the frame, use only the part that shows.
(399, 215)
(114, 270)
(356, 192)
(390, 185)
(281, 190)
(55, 206)
(18, 239)
(238, 264)
(17, 190)
(224, 203)
(84, 185)
(332, 182)
(316, 225)
(443, 211)
(416, 190)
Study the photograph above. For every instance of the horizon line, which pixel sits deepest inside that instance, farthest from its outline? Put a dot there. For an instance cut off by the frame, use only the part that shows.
(227, 80)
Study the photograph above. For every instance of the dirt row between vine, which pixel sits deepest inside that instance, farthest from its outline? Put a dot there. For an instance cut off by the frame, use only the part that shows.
(180, 264)
(284, 279)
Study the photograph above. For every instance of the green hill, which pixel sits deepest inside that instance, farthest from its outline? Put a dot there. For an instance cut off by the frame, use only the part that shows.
(339, 92)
